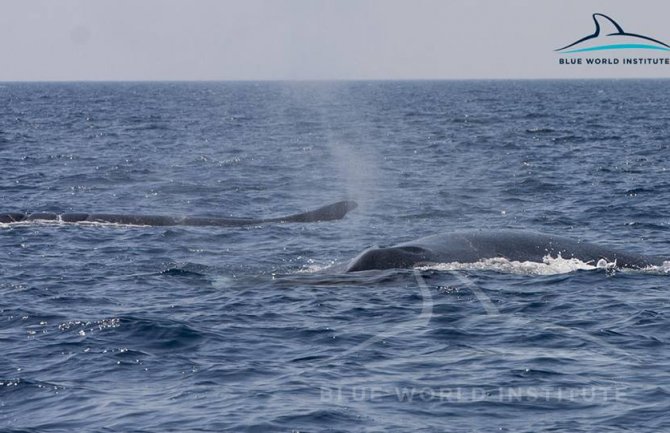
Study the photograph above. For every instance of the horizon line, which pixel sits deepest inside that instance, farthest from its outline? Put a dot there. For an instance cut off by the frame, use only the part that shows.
(316, 80)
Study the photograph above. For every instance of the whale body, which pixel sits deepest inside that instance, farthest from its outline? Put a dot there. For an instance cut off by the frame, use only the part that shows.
(473, 246)
(330, 212)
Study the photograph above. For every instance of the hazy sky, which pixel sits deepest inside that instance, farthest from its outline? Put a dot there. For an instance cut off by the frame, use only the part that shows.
(311, 39)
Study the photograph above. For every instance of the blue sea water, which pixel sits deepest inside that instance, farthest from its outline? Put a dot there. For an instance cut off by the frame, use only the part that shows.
(111, 328)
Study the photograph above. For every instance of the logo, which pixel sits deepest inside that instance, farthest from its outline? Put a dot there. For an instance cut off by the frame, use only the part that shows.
(609, 35)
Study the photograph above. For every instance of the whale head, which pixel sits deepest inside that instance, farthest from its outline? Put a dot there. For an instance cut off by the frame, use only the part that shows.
(388, 258)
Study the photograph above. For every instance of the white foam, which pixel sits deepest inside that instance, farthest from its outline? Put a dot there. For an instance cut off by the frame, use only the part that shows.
(549, 266)
(313, 268)
(663, 269)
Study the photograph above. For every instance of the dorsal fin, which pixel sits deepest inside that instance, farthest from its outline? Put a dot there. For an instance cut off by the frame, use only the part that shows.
(330, 212)
(606, 26)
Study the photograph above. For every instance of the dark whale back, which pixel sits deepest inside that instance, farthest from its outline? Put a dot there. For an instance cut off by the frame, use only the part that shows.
(330, 212)
(473, 246)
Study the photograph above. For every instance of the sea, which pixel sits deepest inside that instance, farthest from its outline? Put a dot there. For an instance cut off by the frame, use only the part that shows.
(121, 328)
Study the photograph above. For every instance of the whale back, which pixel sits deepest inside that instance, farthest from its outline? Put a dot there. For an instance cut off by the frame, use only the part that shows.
(331, 212)
(473, 246)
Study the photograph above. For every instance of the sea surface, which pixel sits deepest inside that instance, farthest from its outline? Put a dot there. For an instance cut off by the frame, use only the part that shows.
(111, 328)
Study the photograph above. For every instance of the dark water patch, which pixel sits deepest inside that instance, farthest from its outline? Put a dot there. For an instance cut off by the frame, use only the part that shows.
(532, 185)
(187, 270)
(341, 419)
(639, 190)
(155, 335)
(554, 220)
(569, 139)
(645, 318)
(641, 225)
(611, 138)
(536, 115)
(15, 387)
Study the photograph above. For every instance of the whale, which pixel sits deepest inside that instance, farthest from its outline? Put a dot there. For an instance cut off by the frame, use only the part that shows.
(331, 212)
(609, 35)
(476, 245)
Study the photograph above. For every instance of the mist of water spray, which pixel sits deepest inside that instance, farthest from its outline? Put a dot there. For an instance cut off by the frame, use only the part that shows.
(346, 138)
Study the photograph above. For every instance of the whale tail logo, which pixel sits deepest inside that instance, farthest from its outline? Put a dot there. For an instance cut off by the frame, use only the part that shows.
(609, 35)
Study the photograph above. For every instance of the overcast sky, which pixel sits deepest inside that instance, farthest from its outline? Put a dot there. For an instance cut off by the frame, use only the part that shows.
(310, 39)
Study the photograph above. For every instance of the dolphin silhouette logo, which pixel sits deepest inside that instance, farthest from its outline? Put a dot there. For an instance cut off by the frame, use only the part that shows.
(609, 35)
